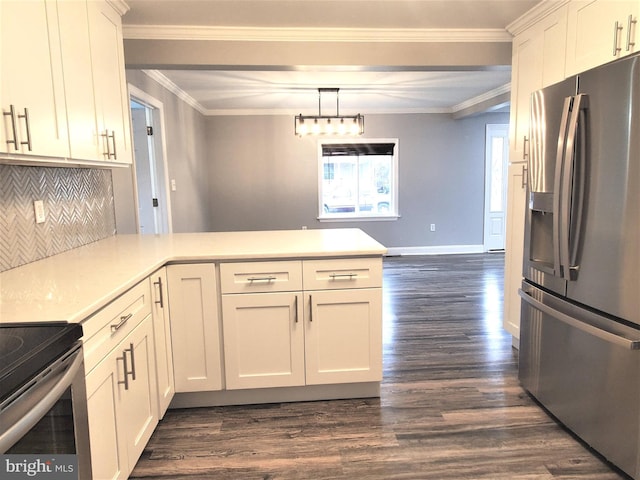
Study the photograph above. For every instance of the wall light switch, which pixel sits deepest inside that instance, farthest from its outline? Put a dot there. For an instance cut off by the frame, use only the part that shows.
(432, 227)
(38, 207)
(173, 184)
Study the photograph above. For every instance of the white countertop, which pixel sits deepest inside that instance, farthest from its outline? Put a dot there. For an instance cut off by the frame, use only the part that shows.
(73, 285)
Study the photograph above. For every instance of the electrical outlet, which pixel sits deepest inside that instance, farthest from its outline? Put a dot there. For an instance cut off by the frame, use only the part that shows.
(432, 227)
(38, 207)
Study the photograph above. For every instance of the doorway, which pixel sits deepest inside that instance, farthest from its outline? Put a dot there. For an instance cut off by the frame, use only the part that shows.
(151, 179)
(495, 197)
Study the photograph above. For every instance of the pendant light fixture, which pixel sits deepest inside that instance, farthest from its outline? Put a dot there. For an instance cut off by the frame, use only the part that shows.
(328, 124)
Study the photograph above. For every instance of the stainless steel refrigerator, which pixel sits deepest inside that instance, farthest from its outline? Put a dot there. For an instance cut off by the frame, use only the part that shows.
(580, 313)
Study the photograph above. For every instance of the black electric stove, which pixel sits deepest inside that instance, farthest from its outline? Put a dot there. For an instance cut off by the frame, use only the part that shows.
(26, 349)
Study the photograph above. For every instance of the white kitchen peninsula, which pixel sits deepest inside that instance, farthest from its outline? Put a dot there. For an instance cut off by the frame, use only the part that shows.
(231, 333)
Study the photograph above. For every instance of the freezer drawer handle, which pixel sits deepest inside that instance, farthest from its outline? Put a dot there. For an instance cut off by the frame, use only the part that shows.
(585, 327)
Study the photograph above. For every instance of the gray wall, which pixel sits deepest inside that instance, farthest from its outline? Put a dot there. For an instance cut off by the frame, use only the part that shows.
(186, 158)
(261, 176)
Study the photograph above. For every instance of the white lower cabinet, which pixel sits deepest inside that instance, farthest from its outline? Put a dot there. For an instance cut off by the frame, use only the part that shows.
(302, 337)
(162, 339)
(263, 340)
(195, 328)
(343, 336)
(122, 404)
(516, 205)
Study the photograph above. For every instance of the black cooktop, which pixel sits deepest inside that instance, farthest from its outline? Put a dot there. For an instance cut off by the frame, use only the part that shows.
(26, 349)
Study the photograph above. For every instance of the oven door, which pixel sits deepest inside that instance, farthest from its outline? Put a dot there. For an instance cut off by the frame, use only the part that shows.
(48, 415)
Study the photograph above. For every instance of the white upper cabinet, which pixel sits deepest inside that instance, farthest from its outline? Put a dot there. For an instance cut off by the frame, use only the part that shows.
(79, 90)
(112, 100)
(31, 80)
(63, 92)
(538, 60)
(600, 31)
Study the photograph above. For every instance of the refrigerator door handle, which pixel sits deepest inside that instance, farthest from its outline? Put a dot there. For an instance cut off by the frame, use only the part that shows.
(570, 193)
(557, 185)
(628, 343)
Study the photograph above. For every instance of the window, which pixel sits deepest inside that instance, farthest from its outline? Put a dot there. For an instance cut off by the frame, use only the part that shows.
(358, 180)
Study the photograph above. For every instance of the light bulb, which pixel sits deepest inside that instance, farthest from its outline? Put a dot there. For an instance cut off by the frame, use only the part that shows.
(328, 127)
(354, 127)
(342, 128)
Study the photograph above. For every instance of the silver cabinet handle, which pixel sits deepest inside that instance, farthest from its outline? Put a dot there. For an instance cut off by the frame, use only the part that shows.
(616, 28)
(159, 284)
(310, 308)
(25, 115)
(12, 113)
(113, 139)
(630, 23)
(295, 308)
(124, 382)
(270, 278)
(525, 150)
(337, 276)
(123, 319)
(525, 173)
(133, 362)
(105, 135)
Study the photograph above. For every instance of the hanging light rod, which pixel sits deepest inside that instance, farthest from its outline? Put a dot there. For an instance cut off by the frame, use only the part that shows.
(328, 124)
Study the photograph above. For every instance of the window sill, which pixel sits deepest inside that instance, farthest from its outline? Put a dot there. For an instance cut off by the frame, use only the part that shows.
(359, 218)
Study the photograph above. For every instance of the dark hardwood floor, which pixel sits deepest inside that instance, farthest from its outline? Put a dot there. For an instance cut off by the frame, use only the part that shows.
(451, 406)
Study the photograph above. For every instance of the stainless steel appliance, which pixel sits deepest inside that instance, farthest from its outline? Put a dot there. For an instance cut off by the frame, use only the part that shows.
(42, 392)
(580, 322)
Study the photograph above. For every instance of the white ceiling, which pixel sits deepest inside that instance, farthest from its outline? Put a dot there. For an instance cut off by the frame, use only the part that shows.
(294, 90)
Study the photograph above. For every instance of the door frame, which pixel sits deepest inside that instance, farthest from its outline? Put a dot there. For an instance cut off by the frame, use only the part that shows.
(490, 130)
(139, 96)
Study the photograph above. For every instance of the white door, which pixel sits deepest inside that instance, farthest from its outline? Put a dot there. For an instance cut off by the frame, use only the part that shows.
(495, 198)
(151, 180)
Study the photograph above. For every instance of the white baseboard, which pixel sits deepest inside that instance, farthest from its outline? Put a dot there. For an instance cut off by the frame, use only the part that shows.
(435, 250)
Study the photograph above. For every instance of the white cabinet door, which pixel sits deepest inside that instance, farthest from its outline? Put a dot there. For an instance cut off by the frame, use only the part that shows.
(112, 99)
(31, 80)
(78, 79)
(162, 339)
(600, 31)
(108, 448)
(538, 60)
(343, 336)
(121, 404)
(195, 329)
(515, 247)
(263, 340)
(526, 78)
(138, 396)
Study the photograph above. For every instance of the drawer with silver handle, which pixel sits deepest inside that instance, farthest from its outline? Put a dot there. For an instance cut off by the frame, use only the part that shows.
(342, 273)
(260, 277)
(104, 330)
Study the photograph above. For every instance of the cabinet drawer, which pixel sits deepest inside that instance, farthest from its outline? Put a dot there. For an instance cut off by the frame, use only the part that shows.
(105, 329)
(342, 273)
(252, 277)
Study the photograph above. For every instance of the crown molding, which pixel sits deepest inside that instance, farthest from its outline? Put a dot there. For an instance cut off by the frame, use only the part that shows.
(165, 82)
(176, 90)
(373, 35)
(491, 94)
(537, 13)
(119, 6)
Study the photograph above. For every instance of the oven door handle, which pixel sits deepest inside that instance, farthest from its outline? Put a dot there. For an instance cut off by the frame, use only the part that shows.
(20, 424)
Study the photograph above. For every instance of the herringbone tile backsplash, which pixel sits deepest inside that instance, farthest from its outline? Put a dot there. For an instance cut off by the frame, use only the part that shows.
(78, 205)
